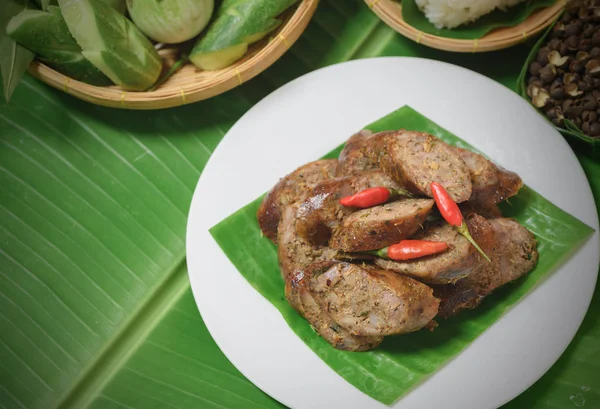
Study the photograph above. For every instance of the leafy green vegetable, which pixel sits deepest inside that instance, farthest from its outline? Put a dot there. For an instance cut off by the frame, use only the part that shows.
(46, 34)
(511, 17)
(177, 65)
(112, 43)
(170, 21)
(43, 4)
(14, 58)
(118, 5)
(403, 362)
(238, 24)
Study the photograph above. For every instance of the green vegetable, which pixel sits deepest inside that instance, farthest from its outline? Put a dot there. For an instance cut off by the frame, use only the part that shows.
(43, 4)
(14, 58)
(112, 43)
(170, 21)
(238, 24)
(401, 363)
(46, 34)
(118, 5)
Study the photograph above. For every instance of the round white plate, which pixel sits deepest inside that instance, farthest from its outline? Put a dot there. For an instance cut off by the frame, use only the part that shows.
(313, 114)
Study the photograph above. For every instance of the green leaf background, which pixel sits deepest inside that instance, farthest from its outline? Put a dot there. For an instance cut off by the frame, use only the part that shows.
(91, 194)
(402, 362)
(511, 17)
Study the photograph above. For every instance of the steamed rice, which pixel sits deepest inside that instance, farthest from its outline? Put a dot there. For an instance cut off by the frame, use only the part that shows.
(453, 13)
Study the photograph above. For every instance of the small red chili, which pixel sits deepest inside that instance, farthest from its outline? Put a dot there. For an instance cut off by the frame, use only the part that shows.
(373, 196)
(448, 207)
(411, 249)
(451, 213)
(367, 198)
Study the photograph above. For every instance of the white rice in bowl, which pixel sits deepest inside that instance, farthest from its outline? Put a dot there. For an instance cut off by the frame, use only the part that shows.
(453, 13)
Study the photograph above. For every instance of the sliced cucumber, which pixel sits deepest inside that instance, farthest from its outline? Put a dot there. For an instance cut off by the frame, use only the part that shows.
(238, 24)
(118, 5)
(112, 43)
(46, 34)
(216, 60)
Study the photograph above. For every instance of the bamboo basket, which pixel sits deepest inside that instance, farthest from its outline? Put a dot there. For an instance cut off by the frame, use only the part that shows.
(189, 84)
(390, 11)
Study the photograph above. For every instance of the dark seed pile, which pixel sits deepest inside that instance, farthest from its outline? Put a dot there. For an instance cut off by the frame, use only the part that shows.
(564, 78)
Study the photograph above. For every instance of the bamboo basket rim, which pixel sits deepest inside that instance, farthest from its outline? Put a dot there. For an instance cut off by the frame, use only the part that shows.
(189, 84)
(390, 11)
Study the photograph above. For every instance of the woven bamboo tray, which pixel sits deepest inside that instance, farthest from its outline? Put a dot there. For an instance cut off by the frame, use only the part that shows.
(189, 84)
(390, 11)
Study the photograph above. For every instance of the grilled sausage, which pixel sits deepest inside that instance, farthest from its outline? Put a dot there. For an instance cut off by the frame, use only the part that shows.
(291, 189)
(491, 183)
(292, 250)
(361, 152)
(509, 184)
(513, 255)
(487, 210)
(373, 302)
(321, 211)
(299, 296)
(455, 263)
(381, 226)
(416, 159)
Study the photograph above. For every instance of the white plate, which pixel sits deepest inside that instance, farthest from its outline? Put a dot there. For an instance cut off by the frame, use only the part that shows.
(313, 114)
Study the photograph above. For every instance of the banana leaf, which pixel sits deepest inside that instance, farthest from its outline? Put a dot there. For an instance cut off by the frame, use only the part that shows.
(511, 17)
(401, 363)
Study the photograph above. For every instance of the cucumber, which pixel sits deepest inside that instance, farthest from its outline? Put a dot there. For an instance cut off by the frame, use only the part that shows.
(46, 34)
(170, 21)
(43, 4)
(118, 5)
(112, 43)
(238, 24)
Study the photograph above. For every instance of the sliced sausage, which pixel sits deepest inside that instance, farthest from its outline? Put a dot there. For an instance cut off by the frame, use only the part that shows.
(509, 184)
(291, 189)
(292, 250)
(361, 152)
(321, 211)
(491, 183)
(486, 209)
(416, 159)
(455, 263)
(381, 226)
(484, 176)
(514, 254)
(373, 302)
(299, 296)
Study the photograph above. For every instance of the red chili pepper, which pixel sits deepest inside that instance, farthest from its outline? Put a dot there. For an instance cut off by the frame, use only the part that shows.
(372, 197)
(451, 213)
(367, 198)
(448, 207)
(411, 249)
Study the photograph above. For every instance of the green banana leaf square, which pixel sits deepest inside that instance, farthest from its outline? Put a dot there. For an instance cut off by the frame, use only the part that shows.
(403, 362)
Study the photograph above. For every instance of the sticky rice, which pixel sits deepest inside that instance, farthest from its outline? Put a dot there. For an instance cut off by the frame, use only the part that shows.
(453, 13)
